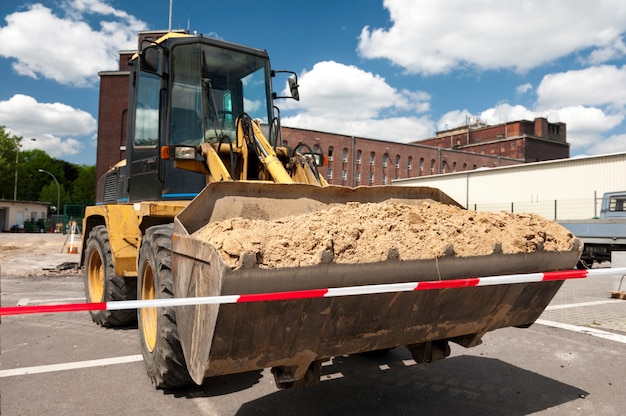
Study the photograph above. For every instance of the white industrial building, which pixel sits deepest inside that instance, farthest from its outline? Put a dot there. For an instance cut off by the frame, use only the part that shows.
(559, 189)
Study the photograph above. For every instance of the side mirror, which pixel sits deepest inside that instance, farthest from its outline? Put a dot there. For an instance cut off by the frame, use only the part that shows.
(293, 85)
(149, 60)
(293, 88)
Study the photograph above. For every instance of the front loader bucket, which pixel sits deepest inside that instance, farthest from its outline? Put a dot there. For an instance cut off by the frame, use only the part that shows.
(292, 335)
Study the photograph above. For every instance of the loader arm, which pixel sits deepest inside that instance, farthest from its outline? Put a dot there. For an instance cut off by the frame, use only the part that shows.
(231, 161)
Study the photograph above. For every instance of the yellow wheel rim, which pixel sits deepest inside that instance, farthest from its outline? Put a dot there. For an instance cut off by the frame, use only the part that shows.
(148, 315)
(95, 277)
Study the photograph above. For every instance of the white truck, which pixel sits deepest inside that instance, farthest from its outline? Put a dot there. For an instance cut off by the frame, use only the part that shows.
(604, 234)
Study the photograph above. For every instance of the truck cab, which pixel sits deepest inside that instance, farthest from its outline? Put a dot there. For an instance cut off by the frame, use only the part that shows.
(613, 205)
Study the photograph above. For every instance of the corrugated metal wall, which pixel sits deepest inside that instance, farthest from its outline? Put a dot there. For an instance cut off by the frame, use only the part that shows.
(560, 189)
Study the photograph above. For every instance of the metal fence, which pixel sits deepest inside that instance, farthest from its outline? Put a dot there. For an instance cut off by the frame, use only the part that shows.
(561, 209)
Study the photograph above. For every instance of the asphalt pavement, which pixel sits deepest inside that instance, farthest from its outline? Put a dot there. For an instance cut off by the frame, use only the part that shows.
(572, 361)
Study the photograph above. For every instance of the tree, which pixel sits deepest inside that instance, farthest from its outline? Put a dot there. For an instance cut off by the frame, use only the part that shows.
(50, 192)
(77, 183)
(8, 148)
(83, 188)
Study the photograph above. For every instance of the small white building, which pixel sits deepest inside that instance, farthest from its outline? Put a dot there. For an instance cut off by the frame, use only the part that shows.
(14, 214)
(557, 189)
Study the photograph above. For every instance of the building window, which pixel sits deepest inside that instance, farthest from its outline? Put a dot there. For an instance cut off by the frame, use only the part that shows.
(464, 166)
(344, 175)
(432, 166)
(330, 153)
(384, 179)
(385, 157)
(371, 178)
(330, 173)
(316, 149)
(421, 167)
(358, 157)
(344, 156)
(372, 156)
(397, 161)
(453, 166)
(358, 178)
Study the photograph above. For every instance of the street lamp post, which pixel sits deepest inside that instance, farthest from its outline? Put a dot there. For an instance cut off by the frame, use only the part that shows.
(17, 154)
(58, 189)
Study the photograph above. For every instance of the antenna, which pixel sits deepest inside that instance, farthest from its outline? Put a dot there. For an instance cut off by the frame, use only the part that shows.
(170, 26)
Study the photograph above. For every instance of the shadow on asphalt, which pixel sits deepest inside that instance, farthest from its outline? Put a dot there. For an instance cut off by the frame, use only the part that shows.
(382, 384)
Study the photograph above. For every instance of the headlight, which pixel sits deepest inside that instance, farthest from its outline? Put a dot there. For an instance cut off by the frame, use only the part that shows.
(184, 152)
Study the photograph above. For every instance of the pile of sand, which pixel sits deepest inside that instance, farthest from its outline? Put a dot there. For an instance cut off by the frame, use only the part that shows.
(372, 232)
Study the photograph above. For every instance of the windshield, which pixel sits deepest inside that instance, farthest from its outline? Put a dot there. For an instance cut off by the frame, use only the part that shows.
(211, 87)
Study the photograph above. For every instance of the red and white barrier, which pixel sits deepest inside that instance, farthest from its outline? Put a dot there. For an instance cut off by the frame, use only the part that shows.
(317, 293)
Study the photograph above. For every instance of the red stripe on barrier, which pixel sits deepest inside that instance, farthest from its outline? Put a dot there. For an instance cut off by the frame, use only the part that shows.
(70, 307)
(299, 294)
(447, 284)
(566, 274)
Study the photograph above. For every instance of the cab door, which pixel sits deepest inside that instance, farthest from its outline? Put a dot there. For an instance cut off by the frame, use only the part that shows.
(144, 153)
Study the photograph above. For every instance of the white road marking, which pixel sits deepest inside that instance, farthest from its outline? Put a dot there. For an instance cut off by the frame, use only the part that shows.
(333, 376)
(585, 330)
(577, 305)
(70, 366)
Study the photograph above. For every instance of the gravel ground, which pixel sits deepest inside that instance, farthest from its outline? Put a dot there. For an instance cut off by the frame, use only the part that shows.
(37, 254)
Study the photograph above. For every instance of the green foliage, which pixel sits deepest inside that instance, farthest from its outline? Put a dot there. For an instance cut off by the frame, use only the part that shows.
(83, 187)
(77, 183)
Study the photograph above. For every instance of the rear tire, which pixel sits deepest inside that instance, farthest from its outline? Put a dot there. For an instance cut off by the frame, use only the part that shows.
(160, 345)
(101, 283)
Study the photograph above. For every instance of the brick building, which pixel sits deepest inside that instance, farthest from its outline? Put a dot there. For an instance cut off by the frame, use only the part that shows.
(354, 161)
(357, 161)
(528, 141)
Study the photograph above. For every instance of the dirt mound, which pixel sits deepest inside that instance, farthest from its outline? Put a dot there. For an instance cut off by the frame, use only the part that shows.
(372, 232)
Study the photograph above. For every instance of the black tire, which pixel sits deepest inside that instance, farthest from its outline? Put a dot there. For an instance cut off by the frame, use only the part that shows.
(101, 283)
(160, 345)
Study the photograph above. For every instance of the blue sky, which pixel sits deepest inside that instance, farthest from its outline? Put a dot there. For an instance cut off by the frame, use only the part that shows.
(396, 70)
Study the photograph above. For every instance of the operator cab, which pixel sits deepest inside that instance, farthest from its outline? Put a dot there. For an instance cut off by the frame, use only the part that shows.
(188, 90)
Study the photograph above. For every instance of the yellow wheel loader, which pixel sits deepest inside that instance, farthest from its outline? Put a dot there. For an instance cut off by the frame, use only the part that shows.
(203, 146)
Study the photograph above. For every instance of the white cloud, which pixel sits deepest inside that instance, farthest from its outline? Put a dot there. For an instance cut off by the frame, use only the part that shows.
(612, 144)
(53, 125)
(615, 50)
(66, 49)
(347, 100)
(584, 124)
(396, 129)
(524, 88)
(599, 85)
(431, 37)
